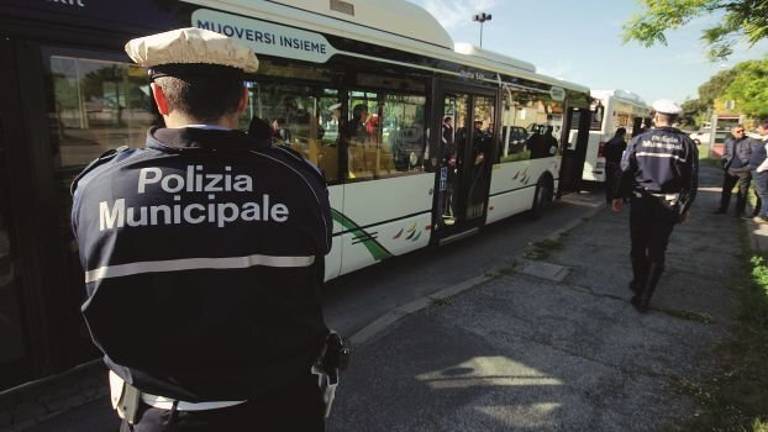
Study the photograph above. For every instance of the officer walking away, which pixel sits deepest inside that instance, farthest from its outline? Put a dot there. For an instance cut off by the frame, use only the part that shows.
(738, 152)
(660, 177)
(759, 162)
(613, 151)
(203, 255)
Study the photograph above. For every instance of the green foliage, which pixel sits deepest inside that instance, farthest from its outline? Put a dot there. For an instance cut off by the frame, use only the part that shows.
(694, 113)
(746, 83)
(716, 86)
(749, 88)
(746, 19)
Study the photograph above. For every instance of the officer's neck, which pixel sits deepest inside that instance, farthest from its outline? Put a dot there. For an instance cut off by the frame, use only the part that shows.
(176, 119)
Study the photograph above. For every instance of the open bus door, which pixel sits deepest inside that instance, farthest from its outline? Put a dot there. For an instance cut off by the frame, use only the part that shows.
(574, 149)
(465, 121)
(637, 126)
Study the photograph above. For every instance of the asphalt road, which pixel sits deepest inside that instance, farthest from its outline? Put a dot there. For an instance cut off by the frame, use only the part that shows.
(531, 349)
(355, 300)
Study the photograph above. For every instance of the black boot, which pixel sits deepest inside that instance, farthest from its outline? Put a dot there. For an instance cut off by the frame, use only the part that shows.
(639, 275)
(642, 300)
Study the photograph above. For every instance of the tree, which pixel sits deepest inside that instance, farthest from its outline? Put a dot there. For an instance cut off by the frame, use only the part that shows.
(749, 88)
(746, 19)
(694, 113)
(716, 86)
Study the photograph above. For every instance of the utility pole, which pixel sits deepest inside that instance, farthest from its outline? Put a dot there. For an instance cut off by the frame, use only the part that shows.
(482, 18)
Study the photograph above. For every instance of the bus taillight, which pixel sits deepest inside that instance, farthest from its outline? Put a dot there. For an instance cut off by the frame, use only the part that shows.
(601, 149)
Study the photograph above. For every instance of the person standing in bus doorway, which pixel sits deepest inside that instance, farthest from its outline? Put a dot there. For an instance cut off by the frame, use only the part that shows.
(759, 162)
(448, 170)
(204, 257)
(735, 160)
(659, 176)
(613, 150)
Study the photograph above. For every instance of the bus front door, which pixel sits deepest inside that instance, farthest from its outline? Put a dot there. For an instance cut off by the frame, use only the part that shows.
(466, 145)
(574, 149)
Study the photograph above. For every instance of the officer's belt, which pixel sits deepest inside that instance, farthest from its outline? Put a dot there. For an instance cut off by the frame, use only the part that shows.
(666, 197)
(118, 390)
(167, 404)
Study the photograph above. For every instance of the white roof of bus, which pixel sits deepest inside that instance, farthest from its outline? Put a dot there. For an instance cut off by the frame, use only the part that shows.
(623, 95)
(492, 57)
(390, 23)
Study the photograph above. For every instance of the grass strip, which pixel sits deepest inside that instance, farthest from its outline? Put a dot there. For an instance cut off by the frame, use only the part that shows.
(736, 397)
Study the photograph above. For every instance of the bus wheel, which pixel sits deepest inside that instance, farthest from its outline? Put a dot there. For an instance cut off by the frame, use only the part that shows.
(542, 199)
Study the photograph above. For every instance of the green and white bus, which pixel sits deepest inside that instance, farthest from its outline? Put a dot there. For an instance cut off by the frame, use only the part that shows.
(422, 141)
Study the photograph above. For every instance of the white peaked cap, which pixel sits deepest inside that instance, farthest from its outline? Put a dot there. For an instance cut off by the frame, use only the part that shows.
(191, 46)
(667, 106)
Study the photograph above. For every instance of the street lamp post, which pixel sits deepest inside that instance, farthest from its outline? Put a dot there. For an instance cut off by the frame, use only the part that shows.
(482, 18)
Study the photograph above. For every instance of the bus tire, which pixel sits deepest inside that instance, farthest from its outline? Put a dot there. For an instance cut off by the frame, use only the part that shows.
(542, 198)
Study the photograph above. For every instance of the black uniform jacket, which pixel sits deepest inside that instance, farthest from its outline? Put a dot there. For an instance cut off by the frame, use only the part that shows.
(203, 257)
(662, 161)
(614, 149)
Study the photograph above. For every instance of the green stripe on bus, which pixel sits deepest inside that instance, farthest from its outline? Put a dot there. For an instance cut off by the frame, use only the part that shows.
(378, 251)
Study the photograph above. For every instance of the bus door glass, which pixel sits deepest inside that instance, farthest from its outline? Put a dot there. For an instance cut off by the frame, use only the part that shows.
(454, 136)
(467, 133)
(477, 169)
(578, 124)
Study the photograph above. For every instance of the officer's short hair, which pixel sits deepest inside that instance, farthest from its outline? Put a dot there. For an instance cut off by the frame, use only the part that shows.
(204, 98)
(763, 123)
(668, 118)
(621, 131)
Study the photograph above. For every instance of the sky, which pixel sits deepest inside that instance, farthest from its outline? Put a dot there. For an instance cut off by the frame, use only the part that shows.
(581, 42)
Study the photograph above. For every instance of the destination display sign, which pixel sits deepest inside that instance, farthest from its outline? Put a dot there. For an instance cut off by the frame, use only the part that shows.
(267, 38)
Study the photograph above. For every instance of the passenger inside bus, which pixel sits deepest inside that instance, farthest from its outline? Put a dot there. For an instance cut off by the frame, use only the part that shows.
(281, 134)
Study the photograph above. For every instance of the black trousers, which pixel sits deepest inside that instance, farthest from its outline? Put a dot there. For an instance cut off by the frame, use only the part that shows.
(650, 224)
(730, 180)
(612, 174)
(761, 187)
(298, 407)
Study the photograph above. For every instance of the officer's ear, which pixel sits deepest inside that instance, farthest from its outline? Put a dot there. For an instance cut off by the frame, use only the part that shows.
(243, 104)
(160, 99)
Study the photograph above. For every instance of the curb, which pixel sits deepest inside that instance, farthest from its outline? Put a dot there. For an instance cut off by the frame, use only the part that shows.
(377, 327)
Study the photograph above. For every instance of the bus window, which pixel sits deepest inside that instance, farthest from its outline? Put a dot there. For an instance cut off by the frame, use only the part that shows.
(386, 135)
(403, 135)
(96, 106)
(304, 118)
(531, 127)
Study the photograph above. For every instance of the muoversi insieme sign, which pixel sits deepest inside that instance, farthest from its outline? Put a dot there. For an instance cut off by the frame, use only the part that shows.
(267, 38)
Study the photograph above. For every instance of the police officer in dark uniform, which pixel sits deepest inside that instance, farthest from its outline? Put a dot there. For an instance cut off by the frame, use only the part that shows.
(660, 177)
(204, 255)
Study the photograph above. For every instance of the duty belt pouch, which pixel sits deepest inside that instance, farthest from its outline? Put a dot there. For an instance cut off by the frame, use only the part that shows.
(674, 208)
(125, 398)
(333, 359)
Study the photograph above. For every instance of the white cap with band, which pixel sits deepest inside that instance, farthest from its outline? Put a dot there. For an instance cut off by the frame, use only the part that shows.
(667, 106)
(191, 46)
